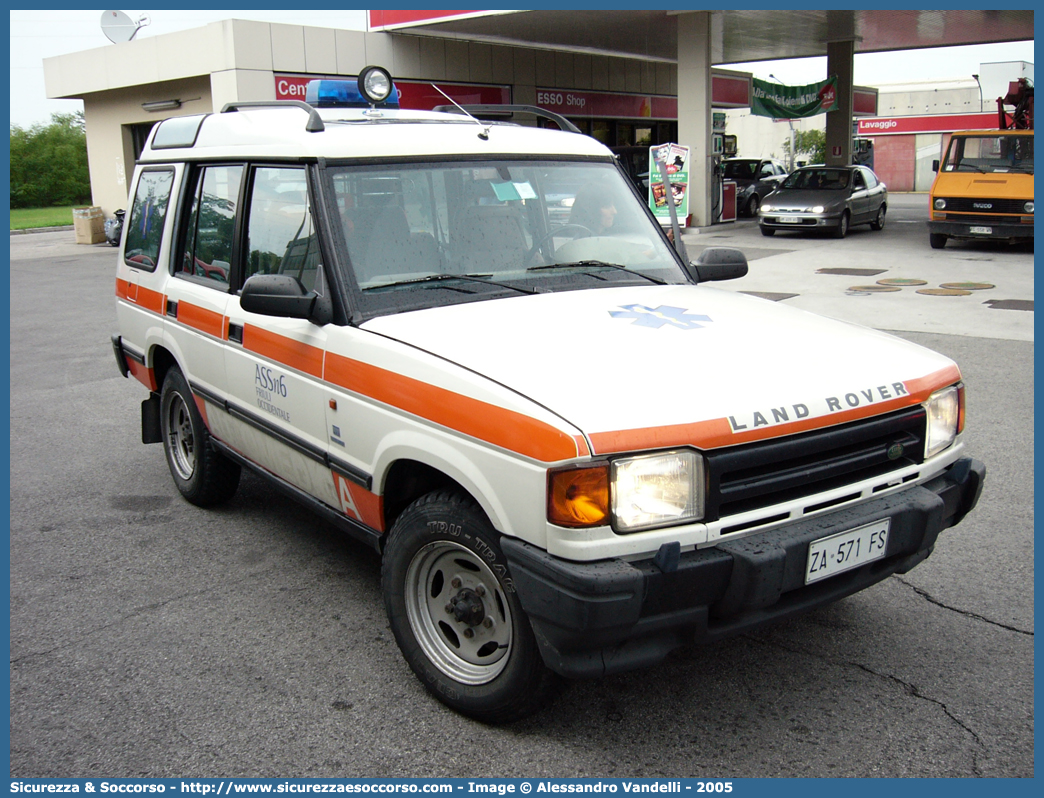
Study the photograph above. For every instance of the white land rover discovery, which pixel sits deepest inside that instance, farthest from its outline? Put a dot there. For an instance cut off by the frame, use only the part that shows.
(470, 345)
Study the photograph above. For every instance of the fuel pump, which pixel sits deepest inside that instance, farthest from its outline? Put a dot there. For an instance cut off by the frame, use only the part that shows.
(723, 192)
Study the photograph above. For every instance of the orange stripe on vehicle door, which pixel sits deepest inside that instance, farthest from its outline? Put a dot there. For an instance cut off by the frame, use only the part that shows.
(202, 319)
(288, 351)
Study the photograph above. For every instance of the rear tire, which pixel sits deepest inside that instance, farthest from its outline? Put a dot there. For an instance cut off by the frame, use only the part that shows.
(455, 614)
(879, 221)
(203, 475)
(937, 240)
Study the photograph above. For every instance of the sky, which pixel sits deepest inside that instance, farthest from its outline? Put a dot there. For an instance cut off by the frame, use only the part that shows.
(36, 35)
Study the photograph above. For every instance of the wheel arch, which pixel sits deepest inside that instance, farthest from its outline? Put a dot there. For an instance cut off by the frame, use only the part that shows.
(162, 361)
(408, 480)
(410, 465)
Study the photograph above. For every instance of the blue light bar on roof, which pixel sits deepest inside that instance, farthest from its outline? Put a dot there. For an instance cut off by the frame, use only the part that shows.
(343, 94)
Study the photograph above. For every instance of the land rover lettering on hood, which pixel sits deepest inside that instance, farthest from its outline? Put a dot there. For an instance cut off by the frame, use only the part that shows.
(470, 345)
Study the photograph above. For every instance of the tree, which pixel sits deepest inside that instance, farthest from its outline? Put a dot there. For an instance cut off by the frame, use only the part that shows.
(809, 146)
(49, 163)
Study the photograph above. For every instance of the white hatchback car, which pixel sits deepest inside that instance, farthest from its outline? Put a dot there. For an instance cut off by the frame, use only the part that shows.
(572, 455)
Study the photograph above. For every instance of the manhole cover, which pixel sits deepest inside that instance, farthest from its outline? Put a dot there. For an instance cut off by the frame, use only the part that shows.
(875, 289)
(967, 286)
(901, 281)
(852, 272)
(943, 292)
(1010, 304)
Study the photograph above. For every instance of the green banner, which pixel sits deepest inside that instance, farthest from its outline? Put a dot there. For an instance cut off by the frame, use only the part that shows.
(793, 102)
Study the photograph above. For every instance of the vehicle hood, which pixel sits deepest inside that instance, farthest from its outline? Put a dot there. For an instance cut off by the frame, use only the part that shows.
(624, 365)
(974, 184)
(802, 198)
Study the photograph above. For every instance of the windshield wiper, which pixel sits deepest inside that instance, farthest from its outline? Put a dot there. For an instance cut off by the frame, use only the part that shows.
(438, 278)
(601, 264)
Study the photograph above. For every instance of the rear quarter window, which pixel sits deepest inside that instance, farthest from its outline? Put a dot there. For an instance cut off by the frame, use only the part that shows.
(147, 217)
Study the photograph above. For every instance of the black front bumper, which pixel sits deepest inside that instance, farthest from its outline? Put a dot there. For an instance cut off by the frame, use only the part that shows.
(963, 230)
(592, 619)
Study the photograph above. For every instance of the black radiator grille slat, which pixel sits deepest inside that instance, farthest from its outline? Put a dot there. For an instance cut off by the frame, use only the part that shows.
(970, 205)
(978, 218)
(757, 475)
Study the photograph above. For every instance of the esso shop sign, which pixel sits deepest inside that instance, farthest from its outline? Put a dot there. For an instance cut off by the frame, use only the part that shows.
(560, 99)
(607, 104)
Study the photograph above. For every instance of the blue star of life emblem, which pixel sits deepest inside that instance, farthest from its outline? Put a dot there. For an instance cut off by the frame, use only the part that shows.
(659, 316)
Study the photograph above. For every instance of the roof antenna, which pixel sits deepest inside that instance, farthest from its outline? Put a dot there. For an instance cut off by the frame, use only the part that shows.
(484, 135)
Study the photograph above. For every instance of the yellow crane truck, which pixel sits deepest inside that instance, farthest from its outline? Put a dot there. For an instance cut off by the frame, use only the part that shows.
(983, 188)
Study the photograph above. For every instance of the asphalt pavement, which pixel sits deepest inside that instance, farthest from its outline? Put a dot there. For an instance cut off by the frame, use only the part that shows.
(152, 638)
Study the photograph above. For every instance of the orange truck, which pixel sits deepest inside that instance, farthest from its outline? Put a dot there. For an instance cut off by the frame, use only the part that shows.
(983, 188)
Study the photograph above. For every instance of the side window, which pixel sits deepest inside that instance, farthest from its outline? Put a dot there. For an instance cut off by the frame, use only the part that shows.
(211, 224)
(871, 181)
(858, 184)
(281, 237)
(766, 170)
(145, 223)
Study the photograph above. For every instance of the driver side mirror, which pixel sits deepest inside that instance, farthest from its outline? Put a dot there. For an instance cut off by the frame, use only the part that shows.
(282, 295)
(719, 263)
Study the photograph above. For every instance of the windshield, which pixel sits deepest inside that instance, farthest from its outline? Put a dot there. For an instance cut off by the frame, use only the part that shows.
(439, 233)
(996, 153)
(739, 170)
(818, 179)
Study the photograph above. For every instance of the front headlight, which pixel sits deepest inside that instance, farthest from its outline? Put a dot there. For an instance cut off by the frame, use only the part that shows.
(1028, 207)
(940, 204)
(765, 207)
(818, 209)
(945, 410)
(656, 490)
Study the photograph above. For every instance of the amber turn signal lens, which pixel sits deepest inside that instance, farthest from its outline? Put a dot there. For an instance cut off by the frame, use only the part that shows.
(578, 497)
(960, 408)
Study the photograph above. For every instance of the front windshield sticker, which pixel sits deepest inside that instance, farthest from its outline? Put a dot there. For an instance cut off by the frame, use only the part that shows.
(513, 191)
(661, 316)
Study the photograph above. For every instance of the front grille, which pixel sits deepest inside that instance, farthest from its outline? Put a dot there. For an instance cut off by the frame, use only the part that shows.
(758, 475)
(977, 218)
(970, 205)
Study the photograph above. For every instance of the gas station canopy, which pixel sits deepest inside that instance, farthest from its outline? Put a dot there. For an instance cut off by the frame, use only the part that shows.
(737, 36)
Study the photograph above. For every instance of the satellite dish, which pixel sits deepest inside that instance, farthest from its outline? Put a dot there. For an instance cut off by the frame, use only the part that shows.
(118, 27)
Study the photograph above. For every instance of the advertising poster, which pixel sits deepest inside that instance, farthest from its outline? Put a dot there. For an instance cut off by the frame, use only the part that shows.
(676, 158)
(793, 102)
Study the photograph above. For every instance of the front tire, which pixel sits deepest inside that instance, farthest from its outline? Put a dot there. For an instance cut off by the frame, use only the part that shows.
(767, 231)
(203, 475)
(753, 205)
(937, 240)
(842, 226)
(455, 614)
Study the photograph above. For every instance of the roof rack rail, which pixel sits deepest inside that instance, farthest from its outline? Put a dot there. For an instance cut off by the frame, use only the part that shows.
(507, 110)
(313, 125)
